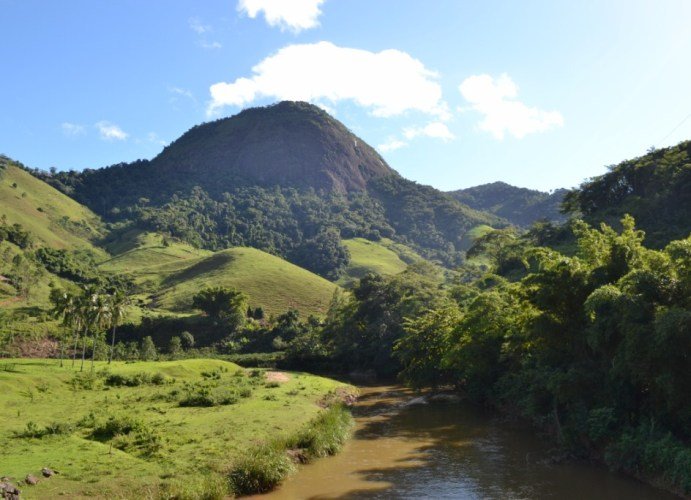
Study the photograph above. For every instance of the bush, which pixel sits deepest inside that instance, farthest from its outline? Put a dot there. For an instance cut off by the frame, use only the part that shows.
(135, 379)
(260, 471)
(115, 426)
(645, 452)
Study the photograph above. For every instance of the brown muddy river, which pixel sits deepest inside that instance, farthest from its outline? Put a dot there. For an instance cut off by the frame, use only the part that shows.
(441, 451)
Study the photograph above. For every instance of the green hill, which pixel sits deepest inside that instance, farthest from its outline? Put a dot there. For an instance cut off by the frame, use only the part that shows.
(271, 282)
(52, 218)
(169, 273)
(520, 206)
(384, 257)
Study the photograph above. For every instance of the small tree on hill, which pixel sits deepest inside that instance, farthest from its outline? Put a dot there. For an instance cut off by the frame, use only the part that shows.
(226, 304)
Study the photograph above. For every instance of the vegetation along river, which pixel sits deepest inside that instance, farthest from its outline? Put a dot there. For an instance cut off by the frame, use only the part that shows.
(448, 451)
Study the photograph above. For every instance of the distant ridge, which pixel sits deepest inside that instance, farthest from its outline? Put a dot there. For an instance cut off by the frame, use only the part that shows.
(520, 206)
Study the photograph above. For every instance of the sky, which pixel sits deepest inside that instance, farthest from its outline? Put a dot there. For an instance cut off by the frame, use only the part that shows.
(539, 94)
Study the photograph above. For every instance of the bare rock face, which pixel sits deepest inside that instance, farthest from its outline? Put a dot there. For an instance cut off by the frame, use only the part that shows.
(288, 144)
(31, 480)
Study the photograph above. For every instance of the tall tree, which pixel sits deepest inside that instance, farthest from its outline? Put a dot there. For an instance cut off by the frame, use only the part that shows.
(118, 303)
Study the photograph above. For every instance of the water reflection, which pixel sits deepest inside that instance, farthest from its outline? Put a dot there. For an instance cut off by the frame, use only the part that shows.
(448, 451)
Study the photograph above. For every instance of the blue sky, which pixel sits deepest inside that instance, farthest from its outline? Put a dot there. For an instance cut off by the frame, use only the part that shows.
(540, 94)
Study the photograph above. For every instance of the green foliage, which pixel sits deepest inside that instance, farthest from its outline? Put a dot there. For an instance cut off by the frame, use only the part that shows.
(260, 471)
(520, 206)
(653, 188)
(147, 350)
(225, 304)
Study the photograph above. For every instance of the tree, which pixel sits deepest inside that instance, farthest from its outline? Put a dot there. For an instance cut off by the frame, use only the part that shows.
(225, 304)
(148, 349)
(118, 303)
(187, 340)
(175, 346)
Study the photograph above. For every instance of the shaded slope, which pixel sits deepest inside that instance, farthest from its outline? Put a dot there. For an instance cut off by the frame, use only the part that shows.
(270, 282)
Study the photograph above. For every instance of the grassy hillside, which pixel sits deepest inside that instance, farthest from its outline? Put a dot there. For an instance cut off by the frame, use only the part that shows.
(110, 441)
(53, 218)
(170, 273)
(271, 282)
(383, 257)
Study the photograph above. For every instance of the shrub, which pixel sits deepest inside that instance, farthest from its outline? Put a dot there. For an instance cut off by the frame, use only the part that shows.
(326, 434)
(260, 470)
(114, 426)
(135, 379)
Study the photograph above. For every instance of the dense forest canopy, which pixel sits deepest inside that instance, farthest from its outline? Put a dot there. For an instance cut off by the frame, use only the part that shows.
(654, 188)
(520, 206)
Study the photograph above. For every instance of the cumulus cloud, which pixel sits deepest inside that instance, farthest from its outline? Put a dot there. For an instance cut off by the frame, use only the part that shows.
(391, 145)
(437, 130)
(72, 129)
(110, 131)
(387, 83)
(293, 15)
(496, 99)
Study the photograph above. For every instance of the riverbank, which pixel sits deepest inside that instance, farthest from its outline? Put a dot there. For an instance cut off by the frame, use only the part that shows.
(174, 429)
(448, 450)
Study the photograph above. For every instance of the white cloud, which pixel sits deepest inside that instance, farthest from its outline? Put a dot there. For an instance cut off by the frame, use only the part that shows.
(391, 145)
(503, 113)
(210, 45)
(110, 131)
(293, 15)
(72, 129)
(198, 27)
(436, 130)
(387, 83)
(154, 138)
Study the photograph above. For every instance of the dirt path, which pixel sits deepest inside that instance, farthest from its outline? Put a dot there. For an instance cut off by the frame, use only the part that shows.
(277, 377)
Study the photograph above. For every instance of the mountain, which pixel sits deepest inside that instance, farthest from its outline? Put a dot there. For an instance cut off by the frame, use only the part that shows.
(520, 206)
(288, 179)
(654, 188)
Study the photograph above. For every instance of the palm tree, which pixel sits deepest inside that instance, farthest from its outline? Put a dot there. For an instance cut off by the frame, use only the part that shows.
(101, 315)
(86, 313)
(118, 305)
(63, 307)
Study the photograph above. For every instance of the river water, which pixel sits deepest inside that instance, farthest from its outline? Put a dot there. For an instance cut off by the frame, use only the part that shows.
(442, 451)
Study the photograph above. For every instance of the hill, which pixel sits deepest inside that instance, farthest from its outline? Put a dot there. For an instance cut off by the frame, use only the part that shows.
(278, 179)
(168, 274)
(654, 188)
(520, 206)
(383, 257)
(53, 219)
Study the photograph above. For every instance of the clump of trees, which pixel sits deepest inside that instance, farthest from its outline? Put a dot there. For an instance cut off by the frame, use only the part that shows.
(89, 315)
(593, 346)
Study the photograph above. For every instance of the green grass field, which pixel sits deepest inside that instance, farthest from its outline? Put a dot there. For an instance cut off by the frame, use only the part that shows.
(113, 441)
(383, 257)
(53, 218)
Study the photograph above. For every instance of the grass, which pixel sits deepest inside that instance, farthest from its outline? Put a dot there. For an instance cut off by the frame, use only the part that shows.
(169, 276)
(61, 222)
(383, 257)
(132, 436)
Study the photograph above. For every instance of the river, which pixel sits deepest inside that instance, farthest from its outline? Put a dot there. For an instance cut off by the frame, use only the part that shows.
(448, 451)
